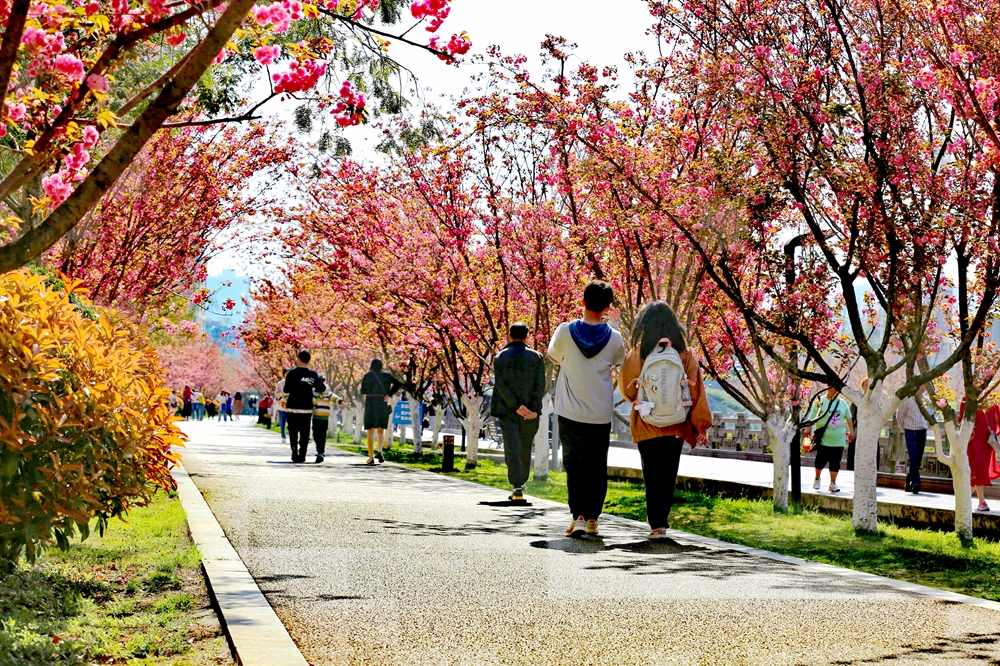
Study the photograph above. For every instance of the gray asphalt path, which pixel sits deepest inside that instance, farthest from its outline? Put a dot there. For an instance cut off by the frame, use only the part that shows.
(388, 565)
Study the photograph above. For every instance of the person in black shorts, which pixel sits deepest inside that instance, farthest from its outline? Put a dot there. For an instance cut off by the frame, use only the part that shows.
(376, 389)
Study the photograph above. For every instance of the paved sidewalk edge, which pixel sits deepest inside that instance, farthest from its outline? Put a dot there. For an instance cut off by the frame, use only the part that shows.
(256, 635)
(915, 588)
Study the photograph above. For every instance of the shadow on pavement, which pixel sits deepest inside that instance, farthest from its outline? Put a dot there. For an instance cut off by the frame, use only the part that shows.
(981, 648)
(507, 503)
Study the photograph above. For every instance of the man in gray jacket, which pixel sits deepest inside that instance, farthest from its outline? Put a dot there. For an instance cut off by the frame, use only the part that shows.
(586, 351)
(518, 388)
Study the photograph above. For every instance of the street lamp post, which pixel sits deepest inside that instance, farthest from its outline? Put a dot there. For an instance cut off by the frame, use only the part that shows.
(795, 457)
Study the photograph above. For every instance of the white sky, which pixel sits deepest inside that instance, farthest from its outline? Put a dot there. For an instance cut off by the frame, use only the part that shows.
(603, 31)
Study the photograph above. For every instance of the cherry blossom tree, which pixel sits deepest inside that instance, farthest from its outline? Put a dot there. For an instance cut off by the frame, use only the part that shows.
(68, 79)
(150, 237)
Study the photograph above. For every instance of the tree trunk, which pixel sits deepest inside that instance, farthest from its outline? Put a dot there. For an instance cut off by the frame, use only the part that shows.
(473, 423)
(393, 401)
(961, 475)
(871, 417)
(781, 430)
(359, 419)
(39, 239)
(438, 424)
(417, 423)
(542, 439)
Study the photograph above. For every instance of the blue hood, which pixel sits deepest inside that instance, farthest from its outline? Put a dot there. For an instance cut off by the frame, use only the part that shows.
(590, 338)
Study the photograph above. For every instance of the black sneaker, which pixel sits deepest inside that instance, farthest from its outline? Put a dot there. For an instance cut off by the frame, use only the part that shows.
(517, 495)
(319, 458)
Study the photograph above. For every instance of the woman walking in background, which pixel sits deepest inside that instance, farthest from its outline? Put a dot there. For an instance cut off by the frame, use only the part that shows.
(662, 380)
(376, 388)
(982, 458)
(237, 405)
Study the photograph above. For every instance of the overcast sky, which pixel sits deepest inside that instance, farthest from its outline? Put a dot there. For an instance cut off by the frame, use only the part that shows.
(603, 31)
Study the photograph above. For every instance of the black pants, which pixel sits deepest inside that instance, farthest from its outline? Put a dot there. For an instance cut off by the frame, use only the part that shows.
(916, 441)
(320, 427)
(831, 455)
(585, 457)
(298, 434)
(661, 456)
(518, 436)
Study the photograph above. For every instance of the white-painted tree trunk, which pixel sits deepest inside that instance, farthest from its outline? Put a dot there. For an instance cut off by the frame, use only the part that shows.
(871, 417)
(781, 430)
(393, 401)
(359, 419)
(542, 452)
(473, 422)
(438, 424)
(417, 423)
(957, 459)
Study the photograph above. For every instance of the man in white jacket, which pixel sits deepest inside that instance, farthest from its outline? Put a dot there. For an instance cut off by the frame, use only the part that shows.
(586, 350)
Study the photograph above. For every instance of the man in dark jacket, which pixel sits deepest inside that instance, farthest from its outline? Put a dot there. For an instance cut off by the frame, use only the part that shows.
(300, 382)
(518, 388)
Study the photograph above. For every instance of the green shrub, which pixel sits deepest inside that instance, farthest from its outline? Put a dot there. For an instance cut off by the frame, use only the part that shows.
(85, 430)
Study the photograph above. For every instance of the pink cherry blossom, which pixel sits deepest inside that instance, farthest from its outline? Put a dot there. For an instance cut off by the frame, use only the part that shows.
(436, 10)
(266, 55)
(58, 187)
(97, 83)
(69, 66)
(299, 77)
(90, 136)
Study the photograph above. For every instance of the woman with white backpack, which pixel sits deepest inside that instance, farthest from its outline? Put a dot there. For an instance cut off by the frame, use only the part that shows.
(662, 380)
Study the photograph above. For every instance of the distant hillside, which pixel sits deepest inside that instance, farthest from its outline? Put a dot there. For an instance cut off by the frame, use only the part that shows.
(721, 402)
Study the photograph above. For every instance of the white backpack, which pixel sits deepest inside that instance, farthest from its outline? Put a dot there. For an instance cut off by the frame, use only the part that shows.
(664, 397)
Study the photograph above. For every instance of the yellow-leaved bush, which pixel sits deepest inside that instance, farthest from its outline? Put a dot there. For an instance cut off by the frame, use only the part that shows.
(85, 429)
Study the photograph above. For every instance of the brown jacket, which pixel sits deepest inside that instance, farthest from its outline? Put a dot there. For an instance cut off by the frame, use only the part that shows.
(699, 418)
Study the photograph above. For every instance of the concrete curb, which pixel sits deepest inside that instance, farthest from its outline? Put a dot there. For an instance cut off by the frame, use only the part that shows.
(829, 569)
(256, 635)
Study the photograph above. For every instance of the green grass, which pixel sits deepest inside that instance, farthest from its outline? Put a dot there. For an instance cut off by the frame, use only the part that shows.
(926, 557)
(134, 596)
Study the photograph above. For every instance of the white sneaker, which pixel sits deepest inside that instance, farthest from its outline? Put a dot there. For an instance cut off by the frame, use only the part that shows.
(816, 484)
(658, 533)
(576, 526)
(834, 488)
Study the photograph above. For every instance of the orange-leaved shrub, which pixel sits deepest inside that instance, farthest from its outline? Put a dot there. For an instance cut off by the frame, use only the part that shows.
(85, 430)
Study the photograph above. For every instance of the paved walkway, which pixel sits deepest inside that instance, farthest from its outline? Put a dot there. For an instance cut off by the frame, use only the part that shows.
(388, 565)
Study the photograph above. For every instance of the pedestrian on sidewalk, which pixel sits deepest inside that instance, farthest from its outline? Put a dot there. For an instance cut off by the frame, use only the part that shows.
(279, 406)
(174, 403)
(223, 400)
(186, 397)
(832, 423)
(914, 427)
(322, 402)
(300, 383)
(199, 405)
(264, 411)
(662, 380)
(518, 389)
(983, 464)
(586, 350)
(237, 405)
(376, 389)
